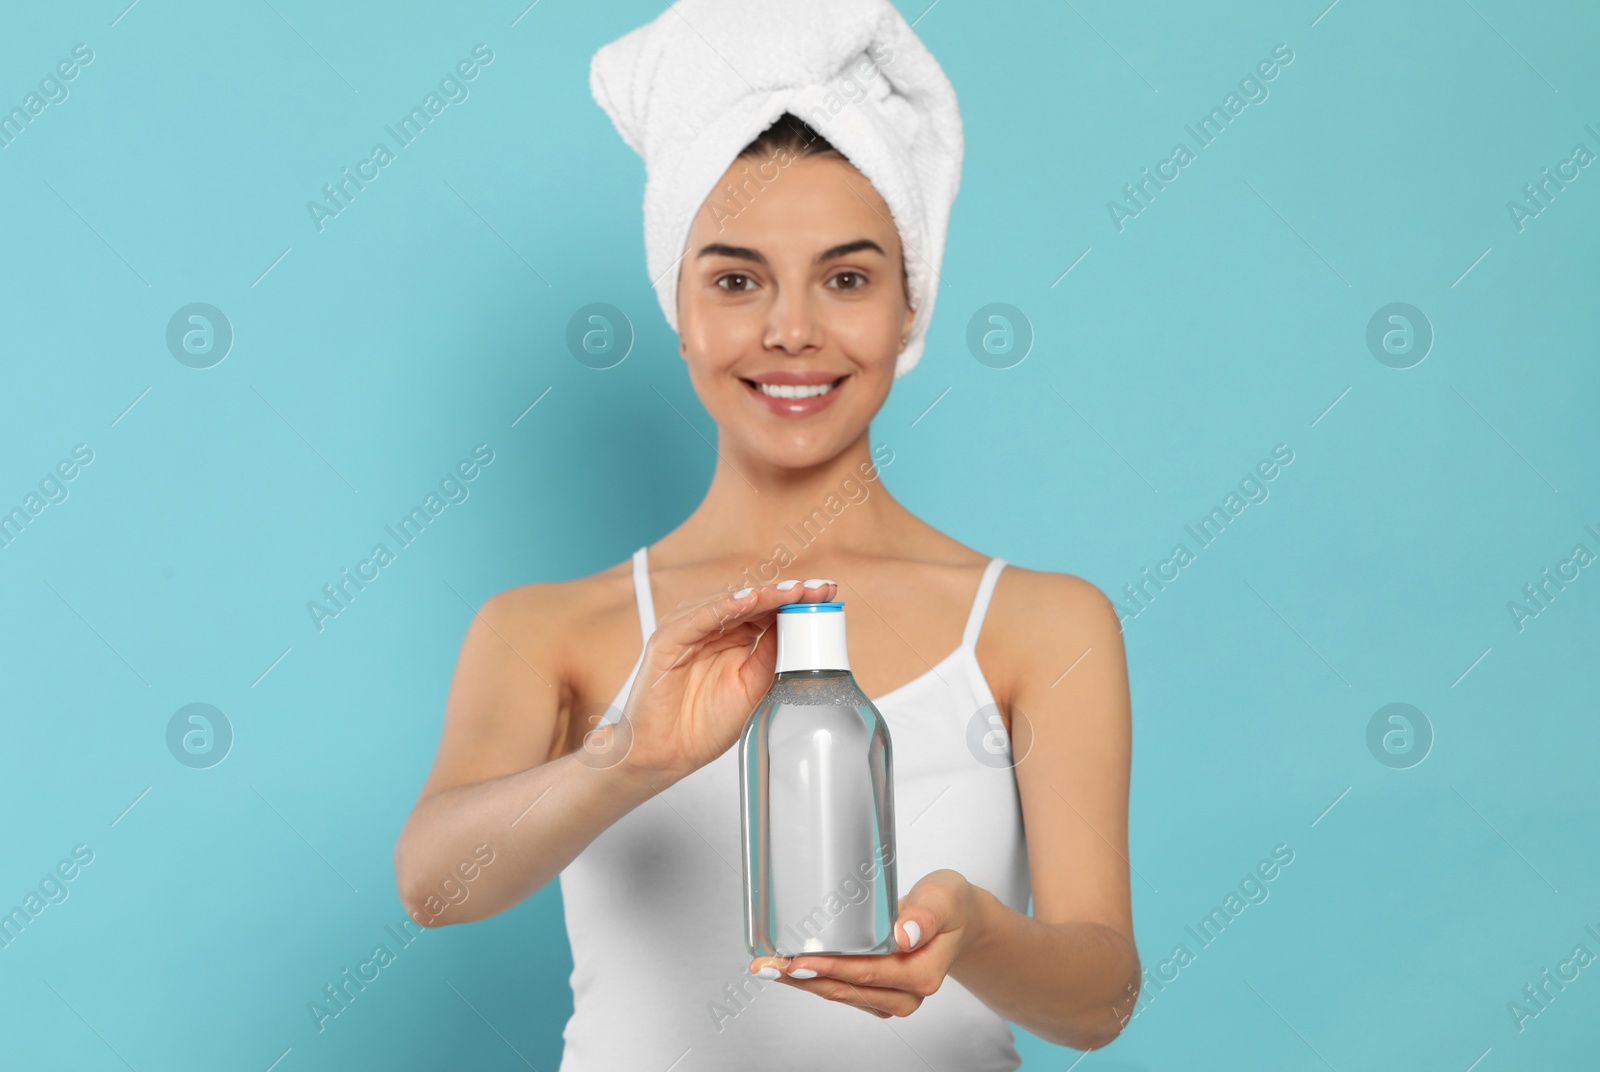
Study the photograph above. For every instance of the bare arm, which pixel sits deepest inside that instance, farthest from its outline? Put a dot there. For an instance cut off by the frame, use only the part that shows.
(498, 818)
(1069, 973)
(472, 851)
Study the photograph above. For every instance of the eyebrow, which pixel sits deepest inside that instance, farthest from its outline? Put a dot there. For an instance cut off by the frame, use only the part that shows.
(746, 253)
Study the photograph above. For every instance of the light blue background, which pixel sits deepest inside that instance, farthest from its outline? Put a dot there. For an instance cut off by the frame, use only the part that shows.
(370, 357)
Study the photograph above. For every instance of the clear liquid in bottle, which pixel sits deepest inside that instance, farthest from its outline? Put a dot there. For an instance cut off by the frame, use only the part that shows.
(816, 787)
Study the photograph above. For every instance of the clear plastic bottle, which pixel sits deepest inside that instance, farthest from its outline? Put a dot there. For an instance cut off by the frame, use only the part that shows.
(816, 786)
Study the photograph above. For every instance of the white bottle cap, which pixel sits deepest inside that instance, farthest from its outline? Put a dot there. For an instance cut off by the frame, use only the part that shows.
(811, 637)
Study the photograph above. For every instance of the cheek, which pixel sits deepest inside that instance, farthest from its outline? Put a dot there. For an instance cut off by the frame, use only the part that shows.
(714, 342)
(717, 337)
(870, 337)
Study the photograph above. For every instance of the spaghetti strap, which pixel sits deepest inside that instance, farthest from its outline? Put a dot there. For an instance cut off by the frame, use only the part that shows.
(641, 593)
(980, 602)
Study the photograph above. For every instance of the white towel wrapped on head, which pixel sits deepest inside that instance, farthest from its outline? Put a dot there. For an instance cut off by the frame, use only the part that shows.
(690, 89)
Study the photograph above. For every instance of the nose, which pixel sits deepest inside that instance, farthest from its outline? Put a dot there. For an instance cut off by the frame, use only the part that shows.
(792, 324)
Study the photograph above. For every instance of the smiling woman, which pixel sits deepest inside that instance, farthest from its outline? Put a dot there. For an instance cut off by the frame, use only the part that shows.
(593, 738)
(813, 257)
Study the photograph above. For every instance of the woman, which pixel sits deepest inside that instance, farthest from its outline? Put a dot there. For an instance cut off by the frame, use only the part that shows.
(794, 314)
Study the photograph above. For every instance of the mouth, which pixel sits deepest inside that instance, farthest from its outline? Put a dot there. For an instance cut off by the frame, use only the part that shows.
(795, 390)
(793, 399)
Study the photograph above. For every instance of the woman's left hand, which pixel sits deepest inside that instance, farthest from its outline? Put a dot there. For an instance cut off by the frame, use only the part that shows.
(933, 928)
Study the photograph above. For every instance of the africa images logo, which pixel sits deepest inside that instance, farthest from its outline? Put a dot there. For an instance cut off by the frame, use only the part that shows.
(339, 195)
(454, 489)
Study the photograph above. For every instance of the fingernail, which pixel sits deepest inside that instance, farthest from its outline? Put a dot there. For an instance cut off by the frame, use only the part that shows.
(817, 582)
(803, 973)
(913, 932)
(768, 972)
(784, 586)
(741, 593)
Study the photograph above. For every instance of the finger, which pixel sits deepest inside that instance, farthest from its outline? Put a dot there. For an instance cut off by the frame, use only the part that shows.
(929, 908)
(737, 621)
(877, 971)
(748, 604)
(717, 615)
(913, 925)
(884, 1000)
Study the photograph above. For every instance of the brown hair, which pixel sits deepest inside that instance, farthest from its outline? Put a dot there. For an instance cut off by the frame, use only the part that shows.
(789, 132)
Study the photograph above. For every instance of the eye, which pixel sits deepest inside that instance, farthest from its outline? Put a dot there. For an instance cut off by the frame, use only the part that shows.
(856, 280)
(733, 275)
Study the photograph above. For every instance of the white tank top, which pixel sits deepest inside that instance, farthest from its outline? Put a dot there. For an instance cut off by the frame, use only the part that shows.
(655, 912)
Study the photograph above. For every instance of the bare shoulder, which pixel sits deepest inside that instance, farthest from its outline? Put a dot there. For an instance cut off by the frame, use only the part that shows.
(1041, 624)
(562, 619)
(552, 605)
(520, 675)
(1060, 601)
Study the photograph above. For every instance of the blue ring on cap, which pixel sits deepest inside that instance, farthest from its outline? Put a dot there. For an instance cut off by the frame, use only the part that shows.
(809, 608)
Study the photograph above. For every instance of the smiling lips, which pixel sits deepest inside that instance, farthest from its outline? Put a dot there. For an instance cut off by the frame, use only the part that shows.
(794, 393)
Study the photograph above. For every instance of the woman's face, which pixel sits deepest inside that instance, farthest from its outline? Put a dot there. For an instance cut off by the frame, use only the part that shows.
(797, 286)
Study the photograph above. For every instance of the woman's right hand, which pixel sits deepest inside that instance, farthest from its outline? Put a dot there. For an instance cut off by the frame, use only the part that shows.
(704, 670)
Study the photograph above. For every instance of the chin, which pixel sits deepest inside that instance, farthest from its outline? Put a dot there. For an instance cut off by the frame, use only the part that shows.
(801, 443)
(796, 449)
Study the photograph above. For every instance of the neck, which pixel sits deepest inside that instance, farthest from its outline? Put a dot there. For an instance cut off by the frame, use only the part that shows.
(764, 518)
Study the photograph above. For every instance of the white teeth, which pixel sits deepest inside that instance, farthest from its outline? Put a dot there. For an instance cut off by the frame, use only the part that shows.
(781, 390)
